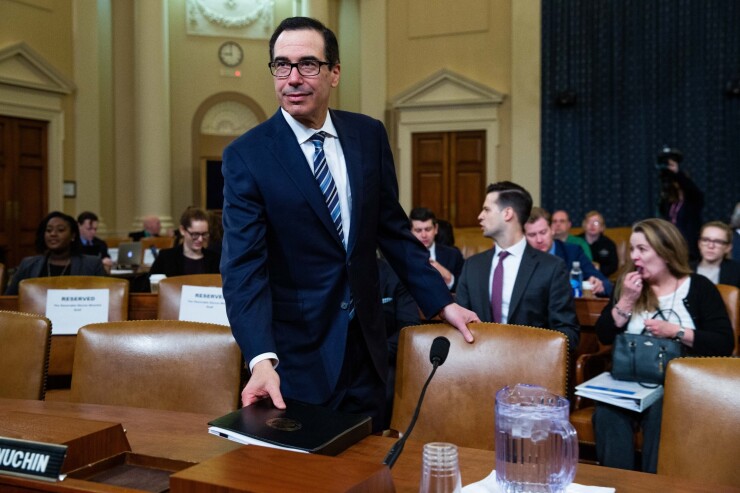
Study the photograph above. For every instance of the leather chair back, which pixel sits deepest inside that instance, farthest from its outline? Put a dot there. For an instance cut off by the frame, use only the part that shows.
(170, 290)
(158, 364)
(731, 297)
(159, 242)
(700, 431)
(459, 403)
(32, 299)
(24, 354)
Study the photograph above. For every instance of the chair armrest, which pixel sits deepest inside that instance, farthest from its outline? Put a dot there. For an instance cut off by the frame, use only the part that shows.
(589, 365)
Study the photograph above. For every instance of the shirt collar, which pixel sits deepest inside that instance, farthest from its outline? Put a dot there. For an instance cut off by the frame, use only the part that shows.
(517, 249)
(303, 133)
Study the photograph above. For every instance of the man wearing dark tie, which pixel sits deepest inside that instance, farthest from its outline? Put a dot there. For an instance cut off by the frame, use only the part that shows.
(514, 283)
(91, 244)
(309, 195)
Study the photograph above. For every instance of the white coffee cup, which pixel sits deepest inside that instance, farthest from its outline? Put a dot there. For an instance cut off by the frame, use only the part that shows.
(587, 289)
(154, 281)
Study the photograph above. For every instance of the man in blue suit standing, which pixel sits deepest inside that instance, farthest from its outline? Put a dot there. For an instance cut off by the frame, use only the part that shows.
(308, 196)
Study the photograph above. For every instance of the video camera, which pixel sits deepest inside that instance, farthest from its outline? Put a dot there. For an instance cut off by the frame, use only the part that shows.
(665, 154)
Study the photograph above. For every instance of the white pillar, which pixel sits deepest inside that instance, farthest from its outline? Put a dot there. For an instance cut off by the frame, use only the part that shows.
(152, 110)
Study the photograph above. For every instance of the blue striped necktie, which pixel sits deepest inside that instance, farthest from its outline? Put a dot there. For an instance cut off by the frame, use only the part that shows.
(326, 182)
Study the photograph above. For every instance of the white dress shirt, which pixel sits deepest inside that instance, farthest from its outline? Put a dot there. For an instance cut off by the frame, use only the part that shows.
(511, 268)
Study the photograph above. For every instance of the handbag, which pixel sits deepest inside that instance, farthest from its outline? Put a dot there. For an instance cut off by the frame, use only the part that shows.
(643, 358)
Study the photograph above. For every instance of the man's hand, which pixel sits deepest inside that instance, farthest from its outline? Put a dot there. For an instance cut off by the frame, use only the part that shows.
(446, 274)
(596, 285)
(265, 382)
(458, 317)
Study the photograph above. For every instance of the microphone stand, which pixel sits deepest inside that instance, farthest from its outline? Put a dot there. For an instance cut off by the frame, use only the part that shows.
(397, 448)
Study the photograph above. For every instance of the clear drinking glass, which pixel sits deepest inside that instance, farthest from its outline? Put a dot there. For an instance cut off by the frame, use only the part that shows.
(536, 446)
(440, 470)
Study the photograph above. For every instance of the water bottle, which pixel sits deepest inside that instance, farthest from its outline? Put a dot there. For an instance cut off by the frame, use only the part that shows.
(576, 280)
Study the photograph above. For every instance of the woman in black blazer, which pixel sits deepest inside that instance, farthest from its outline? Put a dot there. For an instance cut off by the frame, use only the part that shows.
(191, 256)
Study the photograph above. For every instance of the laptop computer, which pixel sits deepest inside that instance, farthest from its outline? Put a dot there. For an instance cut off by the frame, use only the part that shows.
(130, 255)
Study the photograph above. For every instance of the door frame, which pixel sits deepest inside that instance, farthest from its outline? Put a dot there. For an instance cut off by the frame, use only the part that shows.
(444, 102)
(37, 94)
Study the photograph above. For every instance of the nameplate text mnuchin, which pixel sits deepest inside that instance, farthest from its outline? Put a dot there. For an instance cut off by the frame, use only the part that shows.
(31, 459)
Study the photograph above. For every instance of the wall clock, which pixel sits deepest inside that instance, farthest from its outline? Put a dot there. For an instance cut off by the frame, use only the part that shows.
(230, 54)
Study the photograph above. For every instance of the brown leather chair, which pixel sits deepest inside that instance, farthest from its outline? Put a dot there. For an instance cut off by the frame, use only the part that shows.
(24, 354)
(158, 364)
(731, 297)
(170, 290)
(700, 431)
(159, 242)
(32, 299)
(459, 403)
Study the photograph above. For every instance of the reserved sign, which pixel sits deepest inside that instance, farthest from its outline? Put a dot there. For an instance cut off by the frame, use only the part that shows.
(203, 304)
(31, 459)
(70, 309)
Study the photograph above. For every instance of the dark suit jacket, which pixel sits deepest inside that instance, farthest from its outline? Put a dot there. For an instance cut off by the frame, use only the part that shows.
(99, 248)
(573, 253)
(541, 297)
(729, 272)
(735, 246)
(30, 267)
(171, 262)
(451, 259)
(287, 278)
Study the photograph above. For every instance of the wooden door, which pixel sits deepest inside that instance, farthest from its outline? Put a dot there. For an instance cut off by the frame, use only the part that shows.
(23, 186)
(449, 174)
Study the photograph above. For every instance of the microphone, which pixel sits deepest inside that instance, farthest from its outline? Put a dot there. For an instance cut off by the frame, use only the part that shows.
(437, 356)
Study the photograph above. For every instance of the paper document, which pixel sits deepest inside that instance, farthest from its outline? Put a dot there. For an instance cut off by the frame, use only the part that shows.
(224, 433)
(203, 304)
(629, 395)
(70, 309)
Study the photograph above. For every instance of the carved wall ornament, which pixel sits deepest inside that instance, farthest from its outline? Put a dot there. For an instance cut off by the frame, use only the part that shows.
(235, 18)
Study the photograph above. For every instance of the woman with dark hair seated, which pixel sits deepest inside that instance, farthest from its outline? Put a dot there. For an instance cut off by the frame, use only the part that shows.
(191, 256)
(58, 242)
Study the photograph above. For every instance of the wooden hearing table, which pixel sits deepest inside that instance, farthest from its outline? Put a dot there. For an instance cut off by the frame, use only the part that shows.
(184, 437)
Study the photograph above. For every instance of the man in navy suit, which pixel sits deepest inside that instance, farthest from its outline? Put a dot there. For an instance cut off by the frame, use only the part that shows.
(447, 260)
(535, 289)
(540, 236)
(300, 275)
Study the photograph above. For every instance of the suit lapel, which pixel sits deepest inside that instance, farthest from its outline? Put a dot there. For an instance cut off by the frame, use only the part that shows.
(288, 154)
(526, 269)
(349, 137)
(481, 282)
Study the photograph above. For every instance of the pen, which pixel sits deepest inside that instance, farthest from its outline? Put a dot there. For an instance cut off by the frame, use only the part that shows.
(607, 389)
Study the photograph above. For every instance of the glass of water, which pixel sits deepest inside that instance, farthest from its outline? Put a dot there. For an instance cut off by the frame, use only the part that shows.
(440, 470)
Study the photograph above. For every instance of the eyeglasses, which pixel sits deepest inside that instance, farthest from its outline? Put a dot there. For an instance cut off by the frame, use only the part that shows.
(307, 68)
(196, 236)
(707, 241)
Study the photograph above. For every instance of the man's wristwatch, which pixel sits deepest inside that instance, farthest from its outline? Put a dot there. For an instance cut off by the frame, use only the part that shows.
(680, 333)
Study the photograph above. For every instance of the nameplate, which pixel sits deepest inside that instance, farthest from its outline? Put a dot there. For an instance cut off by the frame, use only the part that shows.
(203, 304)
(70, 309)
(29, 459)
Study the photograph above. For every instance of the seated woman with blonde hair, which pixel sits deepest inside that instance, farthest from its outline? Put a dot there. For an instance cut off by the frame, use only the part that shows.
(657, 294)
(60, 248)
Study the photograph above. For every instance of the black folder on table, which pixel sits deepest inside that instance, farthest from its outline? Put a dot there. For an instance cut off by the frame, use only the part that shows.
(300, 427)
